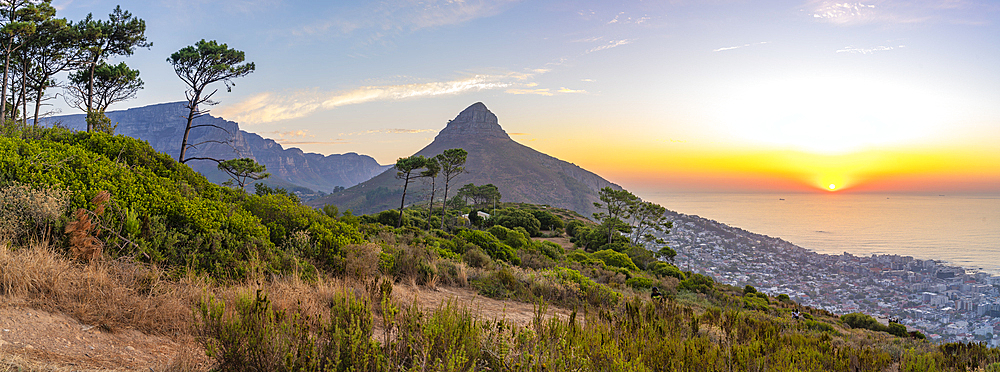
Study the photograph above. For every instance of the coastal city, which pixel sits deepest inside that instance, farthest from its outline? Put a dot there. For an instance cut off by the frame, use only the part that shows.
(947, 303)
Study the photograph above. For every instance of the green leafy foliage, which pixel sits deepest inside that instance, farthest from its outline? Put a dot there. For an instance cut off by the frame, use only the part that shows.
(514, 218)
(495, 248)
(166, 213)
(698, 283)
(615, 259)
(663, 269)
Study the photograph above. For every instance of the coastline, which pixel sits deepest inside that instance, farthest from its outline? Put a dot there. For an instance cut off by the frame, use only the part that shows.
(948, 307)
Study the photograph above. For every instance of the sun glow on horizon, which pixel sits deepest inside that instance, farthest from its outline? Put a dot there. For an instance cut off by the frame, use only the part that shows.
(833, 187)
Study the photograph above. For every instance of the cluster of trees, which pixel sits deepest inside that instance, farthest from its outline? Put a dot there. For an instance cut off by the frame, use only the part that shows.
(626, 222)
(479, 196)
(37, 46)
(448, 165)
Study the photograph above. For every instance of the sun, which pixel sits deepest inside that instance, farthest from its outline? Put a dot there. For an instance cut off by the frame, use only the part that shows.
(833, 187)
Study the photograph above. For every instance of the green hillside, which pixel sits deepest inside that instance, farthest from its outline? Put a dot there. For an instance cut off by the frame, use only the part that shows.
(264, 261)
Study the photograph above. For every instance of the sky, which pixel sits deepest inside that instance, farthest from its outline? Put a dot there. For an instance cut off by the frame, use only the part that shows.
(756, 96)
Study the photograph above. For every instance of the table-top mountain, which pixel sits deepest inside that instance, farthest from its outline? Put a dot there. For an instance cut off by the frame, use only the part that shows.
(162, 126)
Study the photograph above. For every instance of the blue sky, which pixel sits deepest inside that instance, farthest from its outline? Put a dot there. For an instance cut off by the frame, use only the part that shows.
(589, 81)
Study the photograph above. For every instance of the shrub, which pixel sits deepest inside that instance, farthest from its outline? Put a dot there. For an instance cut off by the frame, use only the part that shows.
(663, 269)
(27, 211)
(552, 250)
(548, 220)
(591, 292)
(491, 245)
(615, 259)
(513, 218)
(256, 337)
(698, 283)
(897, 330)
(572, 227)
(640, 282)
(475, 257)
(863, 321)
(749, 289)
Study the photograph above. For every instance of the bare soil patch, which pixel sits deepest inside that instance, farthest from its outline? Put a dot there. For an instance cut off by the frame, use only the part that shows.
(56, 342)
(481, 306)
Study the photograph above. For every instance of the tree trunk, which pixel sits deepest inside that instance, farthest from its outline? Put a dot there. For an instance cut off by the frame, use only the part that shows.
(24, 91)
(430, 205)
(193, 107)
(3, 93)
(402, 201)
(444, 203)
(90, 95)
(38, 102)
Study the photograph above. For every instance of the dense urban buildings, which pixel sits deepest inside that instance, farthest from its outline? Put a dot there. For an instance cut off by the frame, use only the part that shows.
(947, 303)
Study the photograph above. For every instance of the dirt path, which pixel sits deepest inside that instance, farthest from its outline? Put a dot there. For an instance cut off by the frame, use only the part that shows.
(42, 341)
(481, 306)
(57, 342)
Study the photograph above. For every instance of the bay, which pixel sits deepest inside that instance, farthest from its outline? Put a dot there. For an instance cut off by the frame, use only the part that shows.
(959, 229)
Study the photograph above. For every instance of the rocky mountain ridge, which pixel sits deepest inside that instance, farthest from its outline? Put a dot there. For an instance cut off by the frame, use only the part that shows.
(162, 125)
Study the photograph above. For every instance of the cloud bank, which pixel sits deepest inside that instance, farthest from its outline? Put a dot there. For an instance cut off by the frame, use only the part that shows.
(271, 107)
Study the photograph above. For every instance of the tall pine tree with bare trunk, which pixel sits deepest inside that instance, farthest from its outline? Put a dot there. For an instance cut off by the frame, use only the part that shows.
(198, 66)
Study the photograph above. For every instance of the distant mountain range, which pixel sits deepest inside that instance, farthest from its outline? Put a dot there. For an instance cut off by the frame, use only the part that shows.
(521, 173)
(162, 126)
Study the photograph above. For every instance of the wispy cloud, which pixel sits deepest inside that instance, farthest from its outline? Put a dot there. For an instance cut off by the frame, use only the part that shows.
(271, 107)
(973, 12)
(389, 131)
(385, 18)
(567, 90)
(519, 134)
(880, 48)
(739, 46)
(622, 18)
(290, 134)
(540, 92)
(844, 12)
(331, 142)
(609, 45)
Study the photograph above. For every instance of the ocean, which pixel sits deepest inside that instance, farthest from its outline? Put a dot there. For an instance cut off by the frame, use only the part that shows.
(959, 229)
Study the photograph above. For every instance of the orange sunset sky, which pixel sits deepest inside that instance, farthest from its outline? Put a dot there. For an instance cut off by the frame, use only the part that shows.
(784, 96)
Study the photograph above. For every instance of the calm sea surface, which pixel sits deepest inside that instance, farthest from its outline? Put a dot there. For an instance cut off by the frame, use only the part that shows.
(959, 229)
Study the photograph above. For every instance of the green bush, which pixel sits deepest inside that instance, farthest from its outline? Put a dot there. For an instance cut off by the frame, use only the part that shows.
(491, 245)
(591, 292)
(514, 238)
(640, 283)
(663, 269)
(863, 321)
(548, 220)
(475, 257)
(513, 218)
(184, 220)
(897, 330)
(572, 227)
(615, 259)
(697, 283)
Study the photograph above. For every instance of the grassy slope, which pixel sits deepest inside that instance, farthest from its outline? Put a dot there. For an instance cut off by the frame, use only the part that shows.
(716, 330)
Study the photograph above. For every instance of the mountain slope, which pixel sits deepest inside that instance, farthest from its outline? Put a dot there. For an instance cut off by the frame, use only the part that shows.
(521, 173)
(162, 126)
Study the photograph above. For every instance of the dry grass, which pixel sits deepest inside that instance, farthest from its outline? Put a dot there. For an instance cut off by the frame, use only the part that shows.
(124, 294)
(110, 293)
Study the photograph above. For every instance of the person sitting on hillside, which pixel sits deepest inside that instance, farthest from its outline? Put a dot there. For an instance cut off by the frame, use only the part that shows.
(656, 295)
(796, 315)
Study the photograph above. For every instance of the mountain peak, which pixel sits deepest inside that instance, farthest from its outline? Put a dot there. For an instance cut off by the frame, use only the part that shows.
(475, 121)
